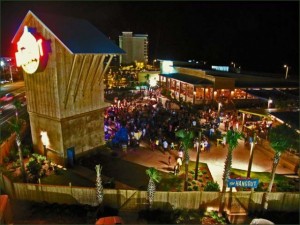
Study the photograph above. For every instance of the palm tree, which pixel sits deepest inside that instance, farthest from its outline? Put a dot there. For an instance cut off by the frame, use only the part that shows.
(154, 176)
(147, 77)
(281, 138)
(99, 186)
(186, 137)
(252, 145)
(16, 126)
(232, 138)
(198, 155)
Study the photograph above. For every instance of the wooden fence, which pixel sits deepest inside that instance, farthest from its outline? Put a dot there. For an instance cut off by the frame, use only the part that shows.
(236, 202)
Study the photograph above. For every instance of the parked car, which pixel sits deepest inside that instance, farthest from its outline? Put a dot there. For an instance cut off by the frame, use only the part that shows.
(4, 81)
(261, 221)
(7, 97)
(109, 220)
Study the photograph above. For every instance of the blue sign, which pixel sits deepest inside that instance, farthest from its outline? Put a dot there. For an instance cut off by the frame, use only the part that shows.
(246, 183)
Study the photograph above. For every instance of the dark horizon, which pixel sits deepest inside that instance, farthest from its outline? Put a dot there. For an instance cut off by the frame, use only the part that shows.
(258, 36)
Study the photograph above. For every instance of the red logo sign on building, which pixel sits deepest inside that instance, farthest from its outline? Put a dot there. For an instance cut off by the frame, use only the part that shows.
(32, 52)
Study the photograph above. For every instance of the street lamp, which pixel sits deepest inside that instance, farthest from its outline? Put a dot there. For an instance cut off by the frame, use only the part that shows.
(233, 63)
(11, 76)
(270, 102)
(154, 61)
(286, 70)
(2, 65)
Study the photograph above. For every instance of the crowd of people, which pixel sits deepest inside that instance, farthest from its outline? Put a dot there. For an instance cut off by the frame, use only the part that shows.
(156, 123)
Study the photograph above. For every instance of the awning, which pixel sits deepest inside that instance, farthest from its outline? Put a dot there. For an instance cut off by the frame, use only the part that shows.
(256, 112)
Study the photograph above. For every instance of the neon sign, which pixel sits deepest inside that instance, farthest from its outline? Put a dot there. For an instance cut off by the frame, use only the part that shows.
(31, 53)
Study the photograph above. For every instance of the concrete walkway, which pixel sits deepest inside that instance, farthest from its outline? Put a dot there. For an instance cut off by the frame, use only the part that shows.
(215, 159)
(262, 162)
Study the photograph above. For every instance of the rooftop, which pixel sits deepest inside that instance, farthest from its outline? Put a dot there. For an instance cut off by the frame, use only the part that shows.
(78, 35)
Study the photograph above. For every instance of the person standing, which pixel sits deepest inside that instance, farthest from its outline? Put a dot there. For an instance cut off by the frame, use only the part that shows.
(165, 146)
(179, 163)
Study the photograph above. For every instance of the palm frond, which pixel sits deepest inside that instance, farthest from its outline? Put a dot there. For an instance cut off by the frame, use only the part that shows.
(153, 174)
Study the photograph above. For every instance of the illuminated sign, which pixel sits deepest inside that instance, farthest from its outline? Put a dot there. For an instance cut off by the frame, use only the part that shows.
(220, 68)
(167, 67)
(32, 53)
(246, 183)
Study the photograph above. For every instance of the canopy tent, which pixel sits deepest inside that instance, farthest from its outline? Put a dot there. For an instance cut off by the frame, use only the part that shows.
(256, 112)
(291, 118)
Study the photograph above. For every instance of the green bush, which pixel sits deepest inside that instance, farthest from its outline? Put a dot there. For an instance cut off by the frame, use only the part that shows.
(192, 172)
(196, 188)
(214, 215)
(212, 186)
(204, 172)
(34, 169)
(194, 182)
(284, 186)
(40, 158)
(200, 180)
(189, 188)
(26, 151)
(260, 187)
(13, 154)
(6, 159)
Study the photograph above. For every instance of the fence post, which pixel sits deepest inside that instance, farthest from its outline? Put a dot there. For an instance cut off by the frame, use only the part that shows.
(70, 185)
(2, 182)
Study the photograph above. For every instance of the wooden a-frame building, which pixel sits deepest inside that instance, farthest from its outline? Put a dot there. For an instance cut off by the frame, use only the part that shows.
(65, 99)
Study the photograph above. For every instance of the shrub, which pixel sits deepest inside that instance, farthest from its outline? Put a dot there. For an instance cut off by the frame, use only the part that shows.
(190, 189)
(13, 154)
(200, 180)
(195, 188)
(204, 172)
(26, 151)
(34, 169)
(193, 182)
(260, 187)
(212, 186)
(40, 158)
(6, 159)
(284, 186)
(214, 215)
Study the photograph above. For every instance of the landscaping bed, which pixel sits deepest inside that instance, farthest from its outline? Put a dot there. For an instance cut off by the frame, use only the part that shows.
(281, 182)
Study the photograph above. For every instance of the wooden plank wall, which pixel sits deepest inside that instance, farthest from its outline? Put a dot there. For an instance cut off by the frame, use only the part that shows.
(70, 85)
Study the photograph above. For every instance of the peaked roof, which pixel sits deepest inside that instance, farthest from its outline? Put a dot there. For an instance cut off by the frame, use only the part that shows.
(78, 35)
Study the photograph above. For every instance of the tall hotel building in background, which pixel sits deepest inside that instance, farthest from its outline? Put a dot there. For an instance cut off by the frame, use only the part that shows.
(135, 46)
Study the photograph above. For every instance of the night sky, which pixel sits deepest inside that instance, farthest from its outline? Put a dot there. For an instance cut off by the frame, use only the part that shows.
(259, 36)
